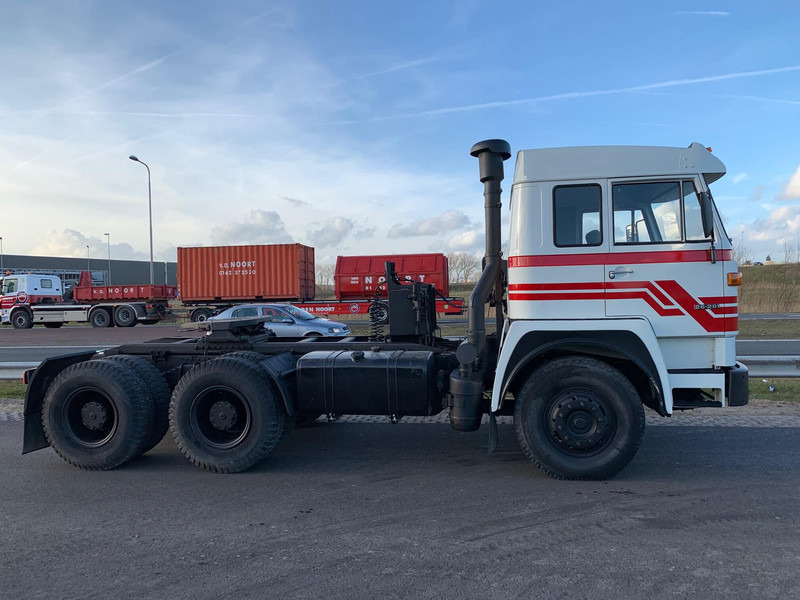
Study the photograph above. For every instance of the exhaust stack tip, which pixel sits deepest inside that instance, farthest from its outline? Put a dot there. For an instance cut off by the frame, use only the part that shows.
(491, 154)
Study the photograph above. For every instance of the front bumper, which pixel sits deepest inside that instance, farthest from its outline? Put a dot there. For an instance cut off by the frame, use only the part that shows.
(737, 385)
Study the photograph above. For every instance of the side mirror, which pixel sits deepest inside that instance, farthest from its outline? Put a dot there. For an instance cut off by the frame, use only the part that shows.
(707, 215)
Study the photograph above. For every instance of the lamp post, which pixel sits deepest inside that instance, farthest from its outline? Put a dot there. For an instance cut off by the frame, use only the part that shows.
(108, 241)
(88, 266)
(150, 211)
(1, 257)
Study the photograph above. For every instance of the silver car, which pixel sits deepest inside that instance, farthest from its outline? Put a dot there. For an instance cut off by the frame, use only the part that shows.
(285, 320)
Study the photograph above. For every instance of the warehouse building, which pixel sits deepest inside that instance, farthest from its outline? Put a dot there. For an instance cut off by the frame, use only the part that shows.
(69, 269)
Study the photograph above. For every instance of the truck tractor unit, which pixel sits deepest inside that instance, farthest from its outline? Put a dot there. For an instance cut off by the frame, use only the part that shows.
(33, 298)
(619, 293)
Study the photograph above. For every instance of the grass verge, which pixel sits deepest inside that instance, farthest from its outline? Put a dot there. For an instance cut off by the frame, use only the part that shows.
(12, 388)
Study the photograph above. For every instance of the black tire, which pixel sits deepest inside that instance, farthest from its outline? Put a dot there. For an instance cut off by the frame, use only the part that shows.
(21, 319)
(53, 325)
(96, 414)
(101, 317)
(125, 316)
(256, 358)
(199, 315)
(159, 392)
(579, 418)
(306, 419)
(379, 312)
(226, 415)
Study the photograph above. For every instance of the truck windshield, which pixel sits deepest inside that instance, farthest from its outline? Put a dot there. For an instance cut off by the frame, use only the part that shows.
(299, 313)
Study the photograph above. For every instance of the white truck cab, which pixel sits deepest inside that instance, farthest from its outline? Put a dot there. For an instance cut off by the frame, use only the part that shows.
(620, 249)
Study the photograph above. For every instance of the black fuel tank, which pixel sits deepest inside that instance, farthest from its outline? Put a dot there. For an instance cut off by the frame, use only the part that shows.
(399, 382)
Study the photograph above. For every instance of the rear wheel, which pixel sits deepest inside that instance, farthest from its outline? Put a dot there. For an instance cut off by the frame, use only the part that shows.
(579, 418)
(21, 319)
(159, 393)
(225, 415)
(125, 316)
(96, 414)
(100, 317)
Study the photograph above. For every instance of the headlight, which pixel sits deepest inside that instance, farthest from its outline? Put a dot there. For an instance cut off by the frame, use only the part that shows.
(334, 330)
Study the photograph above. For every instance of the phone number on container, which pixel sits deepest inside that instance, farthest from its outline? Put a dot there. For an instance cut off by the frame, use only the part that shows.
(235, 272)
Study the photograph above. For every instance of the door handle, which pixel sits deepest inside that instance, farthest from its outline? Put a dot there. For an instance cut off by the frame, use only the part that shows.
(613, 274)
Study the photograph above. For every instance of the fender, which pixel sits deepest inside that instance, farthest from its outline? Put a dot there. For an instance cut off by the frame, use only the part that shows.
(281, 369)
(38, 383)
(631, 339)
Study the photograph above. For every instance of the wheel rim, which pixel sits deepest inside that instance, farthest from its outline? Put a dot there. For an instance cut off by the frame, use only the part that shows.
(100, 317)
(20, 321)
(580, 422)
(220, 417)
(89, 417)
(125, 315)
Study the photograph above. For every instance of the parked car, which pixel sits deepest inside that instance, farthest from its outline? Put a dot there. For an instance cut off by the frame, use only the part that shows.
(285, 320)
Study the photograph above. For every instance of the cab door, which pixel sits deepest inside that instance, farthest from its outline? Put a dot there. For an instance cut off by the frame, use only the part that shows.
(660, 264)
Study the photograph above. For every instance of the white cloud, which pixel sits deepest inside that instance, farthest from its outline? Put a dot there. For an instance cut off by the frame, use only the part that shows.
(258, 227)
(447, 221)
(332, 232)
(468, 241)
(72, 243)
(792, 189)
(739, 178)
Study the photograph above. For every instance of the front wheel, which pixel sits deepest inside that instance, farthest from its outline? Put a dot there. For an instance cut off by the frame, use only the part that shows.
(21, 319)
(200, 315)
(579, 418)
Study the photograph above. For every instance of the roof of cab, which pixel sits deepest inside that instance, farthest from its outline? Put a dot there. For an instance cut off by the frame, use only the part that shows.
(600, 162)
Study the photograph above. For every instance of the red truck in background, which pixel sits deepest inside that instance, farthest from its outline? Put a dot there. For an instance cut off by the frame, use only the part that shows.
(31, 298)
(212, 278)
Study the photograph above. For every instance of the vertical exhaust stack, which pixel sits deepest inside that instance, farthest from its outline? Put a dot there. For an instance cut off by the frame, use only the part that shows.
(466, 383)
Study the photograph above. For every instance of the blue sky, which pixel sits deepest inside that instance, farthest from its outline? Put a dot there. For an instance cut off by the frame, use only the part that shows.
(347, 125)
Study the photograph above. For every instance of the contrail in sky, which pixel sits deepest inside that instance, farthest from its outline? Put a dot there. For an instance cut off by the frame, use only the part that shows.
(593, 93)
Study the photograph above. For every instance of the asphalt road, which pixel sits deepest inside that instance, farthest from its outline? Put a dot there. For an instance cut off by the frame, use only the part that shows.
(352, 510)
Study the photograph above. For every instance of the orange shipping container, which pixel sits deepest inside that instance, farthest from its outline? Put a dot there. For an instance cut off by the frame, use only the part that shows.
(242, 273)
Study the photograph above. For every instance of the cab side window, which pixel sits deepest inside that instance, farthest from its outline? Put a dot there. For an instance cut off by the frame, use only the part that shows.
(647, 212)
(46, 283)
(576, 215)
(10, 286)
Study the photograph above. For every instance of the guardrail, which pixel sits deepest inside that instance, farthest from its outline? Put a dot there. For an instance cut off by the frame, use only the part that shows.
(760, 366)
(772, 366)
(14, 370)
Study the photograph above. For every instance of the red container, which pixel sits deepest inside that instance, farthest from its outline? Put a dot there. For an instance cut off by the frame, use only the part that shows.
(112, 293)
(360, 276)
(242, 273)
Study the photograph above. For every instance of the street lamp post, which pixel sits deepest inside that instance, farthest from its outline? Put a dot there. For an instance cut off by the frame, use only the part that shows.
(150, 210)
(1, 256)
(108, 240)
(88, 266)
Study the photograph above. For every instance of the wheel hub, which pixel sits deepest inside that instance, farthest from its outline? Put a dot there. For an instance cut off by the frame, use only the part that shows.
(94, 416)
(223, 415)
(579, 422)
